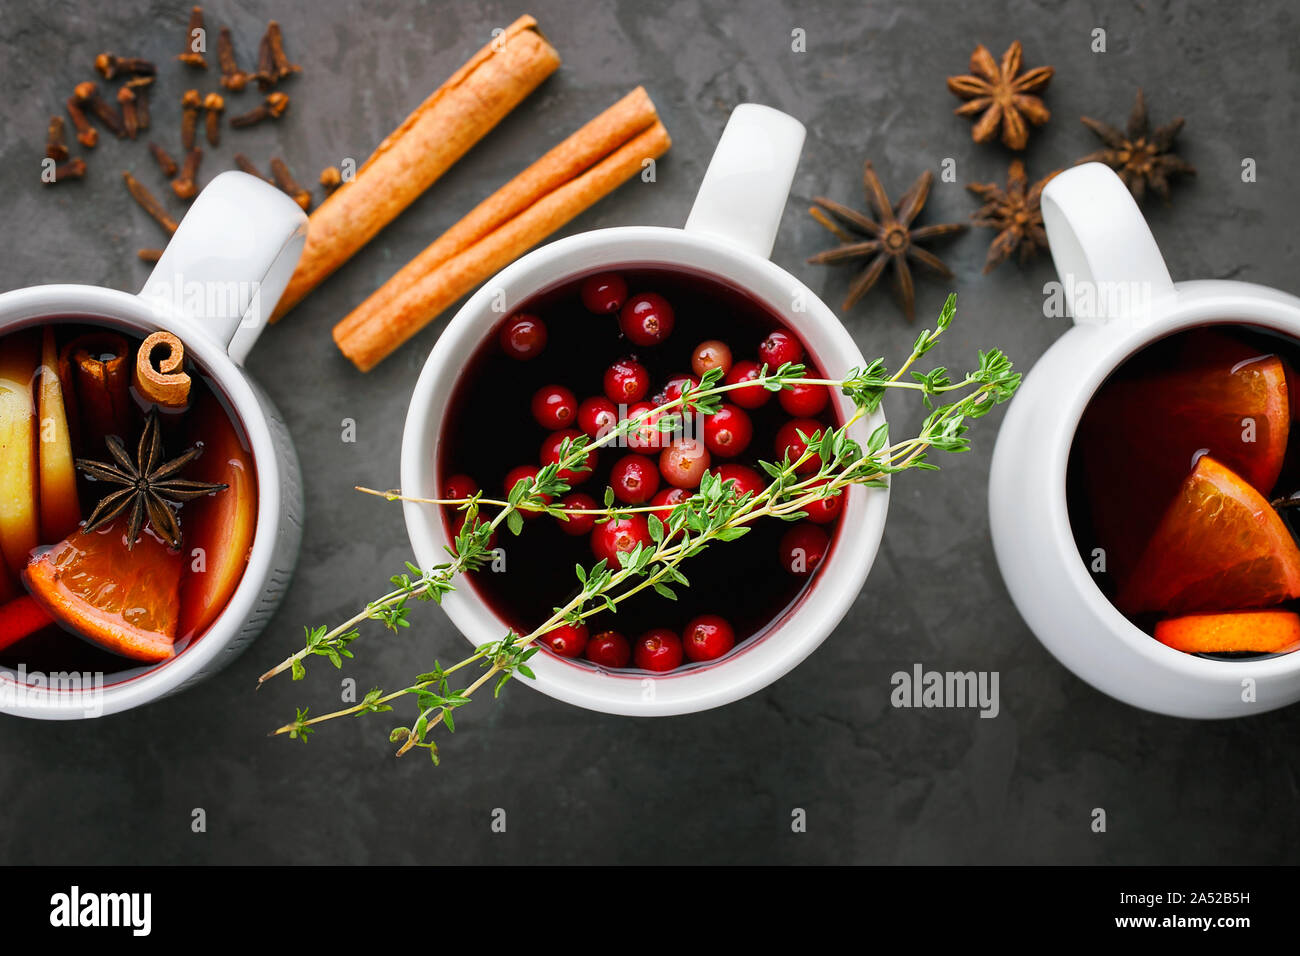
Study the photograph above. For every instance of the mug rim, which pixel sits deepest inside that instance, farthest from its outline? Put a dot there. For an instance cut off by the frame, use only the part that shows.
(31, 306)
(801, 627)
(1206, 306)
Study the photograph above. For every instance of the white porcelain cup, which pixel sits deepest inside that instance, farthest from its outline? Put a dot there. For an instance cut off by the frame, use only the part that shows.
(1118, 290)
(214, 287)
(729, 234)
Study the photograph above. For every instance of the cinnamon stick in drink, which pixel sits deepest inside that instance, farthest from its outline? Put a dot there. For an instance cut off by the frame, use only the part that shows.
(439, 132)
(583, 169)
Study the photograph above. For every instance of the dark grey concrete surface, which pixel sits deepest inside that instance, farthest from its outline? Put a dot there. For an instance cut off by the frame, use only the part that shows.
(878, 784)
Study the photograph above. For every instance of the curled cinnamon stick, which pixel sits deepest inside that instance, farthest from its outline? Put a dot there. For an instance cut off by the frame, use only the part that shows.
(164, 381)
(587, 166)
(441, 130)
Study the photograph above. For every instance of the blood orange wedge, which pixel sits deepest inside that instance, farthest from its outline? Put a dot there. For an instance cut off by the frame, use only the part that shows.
(1258, 632)
(1203, 392)
(1219, 547)
(125, 601)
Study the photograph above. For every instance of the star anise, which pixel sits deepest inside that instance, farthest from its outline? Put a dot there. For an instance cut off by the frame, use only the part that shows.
(1016, 213)
(147, 485)
(1143, 159)
(889, 238)
(1005, 99)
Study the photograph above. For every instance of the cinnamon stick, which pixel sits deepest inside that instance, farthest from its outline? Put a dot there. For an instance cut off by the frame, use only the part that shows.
(441, 130)
(504, 226)
(162, 380)
(98, 364)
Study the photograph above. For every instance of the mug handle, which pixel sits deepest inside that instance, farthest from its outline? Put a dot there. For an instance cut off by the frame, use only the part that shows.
(230, 260)
(1106, 258)
(745, 188)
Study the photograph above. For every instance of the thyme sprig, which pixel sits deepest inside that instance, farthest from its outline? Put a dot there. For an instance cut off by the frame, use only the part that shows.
(717, 511)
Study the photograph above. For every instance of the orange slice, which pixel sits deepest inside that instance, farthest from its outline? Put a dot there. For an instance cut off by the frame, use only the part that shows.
(1220, 546)
(125, 601)
(1259, 632)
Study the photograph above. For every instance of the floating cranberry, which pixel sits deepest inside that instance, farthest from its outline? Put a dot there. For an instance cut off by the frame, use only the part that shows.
(604, 293)
(459, 524)
(554, 406)
(620, 535)
(707, 638)
(523, 337)
(646, 319)
(626, 381)
(674, 388)
(550, 454)
(579, 523)
(658, 650)
(634, 479)
(459, 486)
(727, 431)
(609, 649)
(754, 396)
(597, 416)
(684, 462)
(804, 401)
(778, 348)
(825, 510)
(802, 548)
(746, 478)
(645, 435)
(711, 354)
(789, 444)
(666, 500)
(567, 640)
(518, 474)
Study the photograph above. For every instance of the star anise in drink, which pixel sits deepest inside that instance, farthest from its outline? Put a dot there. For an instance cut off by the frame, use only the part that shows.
(889, 238)
(1015, 212)
(1001, 96)
(148, 486)
(1144, 159)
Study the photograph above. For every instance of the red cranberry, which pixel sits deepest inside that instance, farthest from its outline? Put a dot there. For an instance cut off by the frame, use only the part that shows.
(778, 348)
(790, 444)
(597, 416)
(684, 462)
(609, 649)
(755, 396)
(459, 486)
(727, 431)
(634, 479)
(707, 638)
(666, 500)
(802, 548)
(711, 354)
(746, 478)
(646, 319)
(646, 435)
(825, 510)
(554, 406)
(523, 337)
(567, 640)
(619, 535)
(604, 293)
(673, 389)
(804, 401)
(459, 524)
(658, 650)
(550, 454)
(582, 523)
(518, 474)
(626, 381)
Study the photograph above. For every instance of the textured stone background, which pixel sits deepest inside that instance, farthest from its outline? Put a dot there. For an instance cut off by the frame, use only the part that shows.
(879, 785)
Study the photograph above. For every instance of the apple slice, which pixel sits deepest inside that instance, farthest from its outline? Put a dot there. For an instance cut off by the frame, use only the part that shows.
(19, 357)
(60, 509)
(219, 528)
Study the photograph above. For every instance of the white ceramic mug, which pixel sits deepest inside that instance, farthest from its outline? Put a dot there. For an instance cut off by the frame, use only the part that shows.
(1117, 288)
(729, 234)
(214, 287)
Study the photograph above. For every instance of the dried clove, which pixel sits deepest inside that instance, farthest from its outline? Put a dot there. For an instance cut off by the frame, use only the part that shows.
(214, 104)
(266, 74)
(195, 41)
(75, 169)
(130, 118)
(284, 179)
(148, 202)
(110, 66)
(246, 165)
(272, 108)
(140, 86)
(190, 104)
(87, 135)
(280, 64)
(232, 77)
(330, 179)
(56, 140)
(165, 161)
(87, 94)
(184, 186)
(149, 255)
